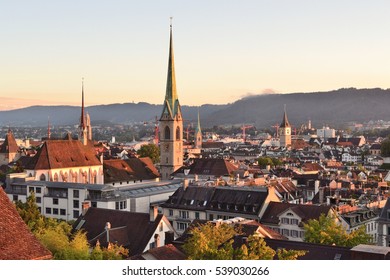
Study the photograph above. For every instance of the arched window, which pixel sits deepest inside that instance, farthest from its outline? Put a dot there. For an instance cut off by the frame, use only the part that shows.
(55, 177)
(178, 133)
(74, 177)
(42, 177)
(167, 133)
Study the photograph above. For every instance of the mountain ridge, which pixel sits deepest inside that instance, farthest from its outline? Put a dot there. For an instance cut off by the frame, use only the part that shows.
(326, 107)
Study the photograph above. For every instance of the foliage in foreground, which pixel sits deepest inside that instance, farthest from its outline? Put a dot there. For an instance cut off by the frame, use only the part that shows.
(57, 236)
(215, 242)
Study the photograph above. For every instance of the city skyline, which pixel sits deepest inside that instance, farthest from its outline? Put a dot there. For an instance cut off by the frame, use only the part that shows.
(224, 50)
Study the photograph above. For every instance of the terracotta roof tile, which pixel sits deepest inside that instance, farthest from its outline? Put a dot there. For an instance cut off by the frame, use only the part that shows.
(9, 145)
(63, 154)
(17, 242)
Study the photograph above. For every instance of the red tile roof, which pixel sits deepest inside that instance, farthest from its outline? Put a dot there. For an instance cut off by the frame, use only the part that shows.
(17, 242)
(9, 145)
(117, 170)
(63, 154)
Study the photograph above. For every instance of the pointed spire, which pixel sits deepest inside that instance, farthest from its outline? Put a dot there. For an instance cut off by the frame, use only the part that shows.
(171, 103)
(198, 130)
(285, 122)
(48, 128)
(82, 119)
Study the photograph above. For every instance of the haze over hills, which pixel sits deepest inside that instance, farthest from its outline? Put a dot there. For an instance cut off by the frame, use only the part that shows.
(334, 108)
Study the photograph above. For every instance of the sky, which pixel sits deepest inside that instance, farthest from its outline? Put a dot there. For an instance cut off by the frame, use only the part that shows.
(224, 49)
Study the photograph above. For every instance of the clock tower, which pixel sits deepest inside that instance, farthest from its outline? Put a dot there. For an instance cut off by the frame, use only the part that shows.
(285, 131)
(171, 124)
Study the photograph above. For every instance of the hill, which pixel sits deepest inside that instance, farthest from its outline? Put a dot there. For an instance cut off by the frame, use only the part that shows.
(333, 108)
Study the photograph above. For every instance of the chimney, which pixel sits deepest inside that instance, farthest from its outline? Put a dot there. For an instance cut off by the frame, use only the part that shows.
(153, 212)
(186, 182)
(85, 205)
(107, 228)
(316, 187)
(321, 194)
(169, 237)
(157, 240)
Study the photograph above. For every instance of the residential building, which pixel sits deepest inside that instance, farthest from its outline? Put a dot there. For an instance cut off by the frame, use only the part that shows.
(384, 225)
(288, 219)
(213, 203)
(137, 232)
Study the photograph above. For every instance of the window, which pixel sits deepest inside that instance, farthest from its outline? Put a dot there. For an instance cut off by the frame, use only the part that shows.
(182, 226)
(76, 214)
(38, 200)
(42, 177)
(152, 245)
(183, 214)
(294, 221)
(30, 189)
(94, 204)
(76, 193)
(56, 177)
(38, 190)
(197, 215)
(285, 232)
(76, 204)
(161, 226)
(15, 197)
(170, 212)
(167, 133)
(55, 211)
(302, 234)
(119, 205)
(55, 201)
(48, 210)
(285, 221)
(294, 233)
(178, 133)
(211, 217)
(62, 212)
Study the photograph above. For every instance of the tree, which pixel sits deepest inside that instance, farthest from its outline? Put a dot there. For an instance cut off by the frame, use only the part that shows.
(30, 214)
(385, 148)
(57, 236)
(325, 230)
(150, 150)
(264, 161)
(215, 242)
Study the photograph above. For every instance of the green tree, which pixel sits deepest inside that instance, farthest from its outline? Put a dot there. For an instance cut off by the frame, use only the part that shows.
(264, 161)
(326, 230)
(150, 150)
(385, 148)
(30, 214)
(215, 242)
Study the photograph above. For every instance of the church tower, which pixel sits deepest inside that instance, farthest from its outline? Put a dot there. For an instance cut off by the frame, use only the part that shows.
(285, 131)
(83, 126)
(198, 135)
(171, 124)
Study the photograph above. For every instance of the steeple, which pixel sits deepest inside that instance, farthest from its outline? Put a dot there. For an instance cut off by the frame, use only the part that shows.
(48, 128)
(82, 118)
(82, 127)
(198, 135)
(171, 103)
(197, 129)
(285, 122)
(171, 123)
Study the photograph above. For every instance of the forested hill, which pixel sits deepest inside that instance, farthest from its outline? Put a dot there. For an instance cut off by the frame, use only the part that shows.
(332, 108)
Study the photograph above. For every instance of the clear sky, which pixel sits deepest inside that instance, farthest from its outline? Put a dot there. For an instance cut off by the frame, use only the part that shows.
(224, 49)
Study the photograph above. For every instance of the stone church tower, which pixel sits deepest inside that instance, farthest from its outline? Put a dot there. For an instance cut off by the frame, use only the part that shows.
(285, 131)
(171, 124)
